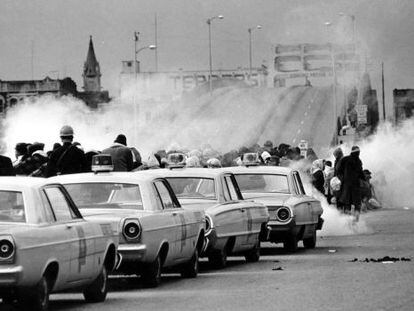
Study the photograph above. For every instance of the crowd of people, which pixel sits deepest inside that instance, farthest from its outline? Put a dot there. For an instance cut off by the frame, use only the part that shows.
(343, 182)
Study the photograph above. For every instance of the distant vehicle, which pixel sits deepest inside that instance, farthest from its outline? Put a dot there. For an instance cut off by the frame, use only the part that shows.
(156, 232)
(294, 216)
(46, 246)
(233, 225)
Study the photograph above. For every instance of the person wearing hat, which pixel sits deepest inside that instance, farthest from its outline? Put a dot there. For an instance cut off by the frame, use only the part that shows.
(122, 158)
(351, 173)
(6, 166)
(67, 159)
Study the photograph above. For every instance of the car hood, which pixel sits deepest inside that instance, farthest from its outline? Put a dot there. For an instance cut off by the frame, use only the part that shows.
(268, 199)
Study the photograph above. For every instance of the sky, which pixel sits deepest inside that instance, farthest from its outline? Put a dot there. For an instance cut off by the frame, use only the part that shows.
(56, 34)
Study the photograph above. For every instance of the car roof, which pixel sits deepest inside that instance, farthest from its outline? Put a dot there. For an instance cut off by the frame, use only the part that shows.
(21, 182)
(191, 172)
(125, 177)
(261, 169)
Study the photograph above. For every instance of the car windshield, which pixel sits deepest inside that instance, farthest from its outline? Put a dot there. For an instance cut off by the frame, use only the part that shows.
(11, 207)
(263, 183)
(105, 195)
(193, 187)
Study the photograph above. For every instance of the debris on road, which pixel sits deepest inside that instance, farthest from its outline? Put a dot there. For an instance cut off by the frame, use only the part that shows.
(278, 269)
(386, 259)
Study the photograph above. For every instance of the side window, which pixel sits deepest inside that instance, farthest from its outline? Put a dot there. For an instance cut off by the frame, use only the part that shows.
(231, 188)
(164, 194)
(299, 184)
(59, 204)
(49, 216)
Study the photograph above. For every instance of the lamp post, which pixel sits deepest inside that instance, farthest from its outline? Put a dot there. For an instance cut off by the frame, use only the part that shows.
(335, 113)
(250, 47)
(209, 20)
(353, 26)
(136, 51)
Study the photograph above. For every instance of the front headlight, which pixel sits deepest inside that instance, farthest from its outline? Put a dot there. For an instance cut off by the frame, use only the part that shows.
(131, 229)
(209, 224)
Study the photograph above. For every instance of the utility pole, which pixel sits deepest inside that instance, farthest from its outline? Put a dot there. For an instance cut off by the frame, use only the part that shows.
(383, 91)
(156, 43)
(135, 128)
(31, 60)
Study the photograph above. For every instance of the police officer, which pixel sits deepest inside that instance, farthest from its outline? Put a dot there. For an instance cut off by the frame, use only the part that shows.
(67, 159)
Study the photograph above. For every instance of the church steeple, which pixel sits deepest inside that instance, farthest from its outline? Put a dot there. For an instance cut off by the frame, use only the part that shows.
(91, 71)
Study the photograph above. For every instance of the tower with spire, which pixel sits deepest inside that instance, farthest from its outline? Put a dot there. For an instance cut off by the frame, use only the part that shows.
(91, 71)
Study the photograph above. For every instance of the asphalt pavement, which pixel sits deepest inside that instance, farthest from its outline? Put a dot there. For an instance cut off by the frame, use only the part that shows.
(334, 276)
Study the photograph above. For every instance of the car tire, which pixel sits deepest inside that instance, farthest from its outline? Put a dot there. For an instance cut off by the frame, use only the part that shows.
(253, 255)
(151, 275)
(190, 269)
(96, 292)
(218, 259)
(291, 243)
(37, 298)
(310, 243)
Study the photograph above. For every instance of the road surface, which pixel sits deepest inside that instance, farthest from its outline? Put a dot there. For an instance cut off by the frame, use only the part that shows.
(325, 278)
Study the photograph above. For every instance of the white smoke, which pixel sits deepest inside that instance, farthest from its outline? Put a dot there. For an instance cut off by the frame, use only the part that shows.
(388, 155)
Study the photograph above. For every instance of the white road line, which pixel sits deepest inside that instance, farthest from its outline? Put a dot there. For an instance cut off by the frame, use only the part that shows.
(294, 140)
(301, 122)
(299, 131)
(306, 113)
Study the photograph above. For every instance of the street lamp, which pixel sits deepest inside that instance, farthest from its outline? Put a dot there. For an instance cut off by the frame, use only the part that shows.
(335, 113)
(353, 26)
(150, 47)
(209, 20)
(250, 47)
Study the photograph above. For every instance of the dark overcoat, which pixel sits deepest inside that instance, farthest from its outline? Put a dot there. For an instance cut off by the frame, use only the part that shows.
(350, 172)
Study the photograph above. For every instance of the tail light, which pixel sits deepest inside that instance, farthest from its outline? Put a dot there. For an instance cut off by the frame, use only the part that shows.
(283, 214)
(131, 229)
(7, 249)
(209, 224)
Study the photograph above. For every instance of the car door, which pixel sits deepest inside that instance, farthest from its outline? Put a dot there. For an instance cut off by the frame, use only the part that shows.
(237, 212)
(189, 226)
(303, 209)
(82, 245)
(173, 230)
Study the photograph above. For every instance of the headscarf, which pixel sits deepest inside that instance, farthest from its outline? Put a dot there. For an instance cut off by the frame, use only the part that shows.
(317, 165)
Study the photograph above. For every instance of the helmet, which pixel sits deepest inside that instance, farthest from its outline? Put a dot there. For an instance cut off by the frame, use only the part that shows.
(66, 131)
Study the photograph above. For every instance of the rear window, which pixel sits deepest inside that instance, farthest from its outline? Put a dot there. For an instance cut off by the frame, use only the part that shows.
(106, 195)
(12, 207)
(193, 187)
(263, 183)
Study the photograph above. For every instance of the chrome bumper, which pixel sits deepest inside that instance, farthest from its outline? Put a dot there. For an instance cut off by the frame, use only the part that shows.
(10, 276)
(132, 252)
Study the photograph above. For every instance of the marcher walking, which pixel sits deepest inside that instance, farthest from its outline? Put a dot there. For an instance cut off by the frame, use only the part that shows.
(318, 179)
(121, 155)
(350, 172)
(6, 166)
(67, 159)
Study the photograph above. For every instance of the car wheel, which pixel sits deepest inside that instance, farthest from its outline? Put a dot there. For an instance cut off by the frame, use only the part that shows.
(151, 276)
(37, 298)
(310, 242)
(190, 269)
(218, 259)
(96, 292)
(253, 255)
(291, 243)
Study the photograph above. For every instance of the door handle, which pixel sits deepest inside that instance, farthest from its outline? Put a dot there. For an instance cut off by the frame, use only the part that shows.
(174, 213)
(68, 226)
(242, 210)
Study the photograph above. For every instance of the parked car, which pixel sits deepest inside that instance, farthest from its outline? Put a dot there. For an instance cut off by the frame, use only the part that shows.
(294, 216)
(233, 225)
(155, 231)
(46, 246)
